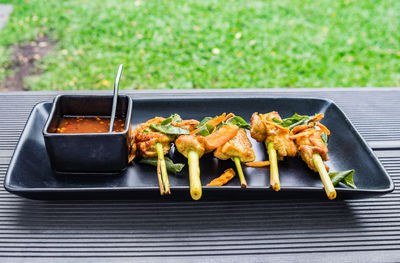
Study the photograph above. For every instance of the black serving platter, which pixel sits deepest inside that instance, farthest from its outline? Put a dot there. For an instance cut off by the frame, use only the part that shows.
(30, 174)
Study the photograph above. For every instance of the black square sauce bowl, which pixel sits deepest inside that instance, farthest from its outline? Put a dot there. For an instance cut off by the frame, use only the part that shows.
(88, 153)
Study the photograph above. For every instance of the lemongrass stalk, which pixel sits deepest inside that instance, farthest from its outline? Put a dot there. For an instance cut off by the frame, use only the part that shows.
(159, 178)
(326, 180)
(273, 162)
(163, 167)
(243, 182)
(194, 175)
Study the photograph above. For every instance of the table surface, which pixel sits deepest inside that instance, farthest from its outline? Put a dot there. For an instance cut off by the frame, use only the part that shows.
(286, 230)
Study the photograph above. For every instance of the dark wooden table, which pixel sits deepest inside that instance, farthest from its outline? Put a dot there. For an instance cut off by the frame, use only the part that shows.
(252, 231)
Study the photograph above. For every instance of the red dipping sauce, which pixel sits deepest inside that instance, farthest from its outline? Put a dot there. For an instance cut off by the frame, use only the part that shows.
(89, 125)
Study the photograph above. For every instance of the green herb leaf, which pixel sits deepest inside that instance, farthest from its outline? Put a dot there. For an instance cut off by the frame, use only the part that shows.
(169, 129)
(345, 177)
(203, 121)
(324, 138)
(277, 121)
(205, 130)
(238, 121)
(166, 126)
(171, 166)
(296, 120)
(173, 118)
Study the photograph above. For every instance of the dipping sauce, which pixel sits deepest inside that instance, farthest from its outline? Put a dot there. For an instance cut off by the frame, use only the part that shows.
(89, 125)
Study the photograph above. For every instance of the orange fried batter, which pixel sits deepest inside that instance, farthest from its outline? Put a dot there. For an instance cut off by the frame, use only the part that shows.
(220, 137)
(186, 124)
(223, 179)
(258, 164)
(238, 146)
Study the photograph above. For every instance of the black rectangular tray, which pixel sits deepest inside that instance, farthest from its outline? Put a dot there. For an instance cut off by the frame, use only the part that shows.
(30, 175)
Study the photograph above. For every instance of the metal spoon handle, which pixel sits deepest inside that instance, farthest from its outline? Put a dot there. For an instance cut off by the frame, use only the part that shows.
(115, 97)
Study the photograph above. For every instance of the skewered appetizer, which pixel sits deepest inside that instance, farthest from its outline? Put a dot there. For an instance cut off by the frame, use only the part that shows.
(238, 149)
(155, 137)
(204, 139)
(310, 139)
(193, 148)
(276, 138)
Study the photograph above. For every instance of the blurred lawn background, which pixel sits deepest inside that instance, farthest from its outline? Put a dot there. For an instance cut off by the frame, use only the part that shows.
(208, 44)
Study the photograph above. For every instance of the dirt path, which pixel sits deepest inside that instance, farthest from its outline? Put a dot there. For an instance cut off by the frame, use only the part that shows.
(23, 62)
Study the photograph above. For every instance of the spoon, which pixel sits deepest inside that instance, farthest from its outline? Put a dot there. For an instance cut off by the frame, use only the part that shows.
(115, 97)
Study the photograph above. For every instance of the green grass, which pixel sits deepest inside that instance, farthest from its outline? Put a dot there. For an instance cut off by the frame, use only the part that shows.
(210, 44)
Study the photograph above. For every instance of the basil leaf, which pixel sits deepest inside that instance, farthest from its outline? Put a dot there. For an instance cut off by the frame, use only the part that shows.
(169, 129)
(173, 118)
(289, 121)
(238, 121)
(348, 180)
(205, 130)
(146, 130)
(296, 120)
(166, 126)
(344, 177)
(171, 166)
(277, 121)
(203, 121)
(324, 138)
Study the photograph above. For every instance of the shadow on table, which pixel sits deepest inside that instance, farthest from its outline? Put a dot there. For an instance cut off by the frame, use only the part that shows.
(273, 216)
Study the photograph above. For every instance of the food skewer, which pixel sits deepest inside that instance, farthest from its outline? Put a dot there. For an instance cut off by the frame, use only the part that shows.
(264, 128)
(151, 144)
(238, 149)
(313, 149)
(204, 139)
(193, 148)
(154, 138)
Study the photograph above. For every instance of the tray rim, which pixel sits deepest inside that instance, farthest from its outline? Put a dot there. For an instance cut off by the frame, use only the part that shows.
(21, 190)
